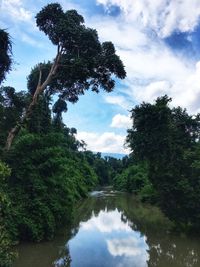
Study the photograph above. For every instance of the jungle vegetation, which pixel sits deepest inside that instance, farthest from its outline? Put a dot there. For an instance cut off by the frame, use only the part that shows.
(164, 165)
(45, 170)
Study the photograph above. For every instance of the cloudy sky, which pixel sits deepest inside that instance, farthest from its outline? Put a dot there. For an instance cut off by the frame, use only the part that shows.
(157, 40)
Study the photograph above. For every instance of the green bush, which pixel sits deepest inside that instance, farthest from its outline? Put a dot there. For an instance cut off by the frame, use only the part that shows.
(46, 180)
(134, 179)
(6, 255)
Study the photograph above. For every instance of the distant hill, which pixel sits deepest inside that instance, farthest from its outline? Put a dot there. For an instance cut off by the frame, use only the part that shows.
(114, 155)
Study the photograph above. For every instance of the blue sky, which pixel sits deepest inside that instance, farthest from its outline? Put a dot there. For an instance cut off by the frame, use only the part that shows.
(157, 40)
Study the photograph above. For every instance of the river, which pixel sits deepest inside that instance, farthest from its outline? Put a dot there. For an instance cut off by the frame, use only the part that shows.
(112, 229)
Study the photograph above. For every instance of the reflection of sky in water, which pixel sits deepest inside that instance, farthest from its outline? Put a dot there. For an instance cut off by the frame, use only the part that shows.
(105, 240)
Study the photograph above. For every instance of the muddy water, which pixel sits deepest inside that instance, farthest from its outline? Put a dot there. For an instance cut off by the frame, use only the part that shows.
(113, 230)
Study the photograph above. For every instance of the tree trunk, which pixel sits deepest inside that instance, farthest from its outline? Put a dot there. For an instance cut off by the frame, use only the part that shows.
(11, 135)
(15, 130)
(40, 89)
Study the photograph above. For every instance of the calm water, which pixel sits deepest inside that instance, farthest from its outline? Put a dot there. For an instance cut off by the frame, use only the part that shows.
(113, 230)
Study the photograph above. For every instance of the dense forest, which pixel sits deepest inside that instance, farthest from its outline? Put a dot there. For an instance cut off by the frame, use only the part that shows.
(45, 170)
(165, 165)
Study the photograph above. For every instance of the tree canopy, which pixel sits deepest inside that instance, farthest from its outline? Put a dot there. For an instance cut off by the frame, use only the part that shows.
(167, 139)
(82, 62)
(6, 54)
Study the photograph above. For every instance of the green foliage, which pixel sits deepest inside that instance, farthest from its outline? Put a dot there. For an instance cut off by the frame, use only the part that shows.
(4, 172)
(49, 174)
(39, 120)
(131, 179)
(105, 168)
(115, 167)
(32, 79)
(12, 105)
(83, 61)
(6, 256)
(47, 178)
(168, 140)
(6, 54)
(148, 193)
(134, 179)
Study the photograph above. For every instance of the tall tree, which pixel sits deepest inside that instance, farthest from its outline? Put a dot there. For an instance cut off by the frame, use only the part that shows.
(167, 139)
(81, 61)
(6, 54)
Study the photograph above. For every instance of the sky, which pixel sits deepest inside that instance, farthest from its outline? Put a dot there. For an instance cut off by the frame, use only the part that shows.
(157, 40)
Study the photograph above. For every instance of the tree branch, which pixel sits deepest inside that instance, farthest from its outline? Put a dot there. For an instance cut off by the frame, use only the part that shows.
(40, 88)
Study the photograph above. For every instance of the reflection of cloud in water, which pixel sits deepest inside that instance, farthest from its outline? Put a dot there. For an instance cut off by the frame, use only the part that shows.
(108, 240)
(132, 249)
(106, 222)
(131, 246)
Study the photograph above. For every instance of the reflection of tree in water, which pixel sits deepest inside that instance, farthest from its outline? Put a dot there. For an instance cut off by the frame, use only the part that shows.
(83, 212)
(164, 249)
(64, 260)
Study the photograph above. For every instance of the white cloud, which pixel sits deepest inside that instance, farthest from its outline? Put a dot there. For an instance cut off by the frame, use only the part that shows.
(155, 62)
(163, 16)
(153, 69)
(131, 246)
(31, 41)
(152, 91)
(15, 10)
(106, 222)
(106, 142)
(121, 121)
(184, 92)
(118, 100)
(132, 36)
